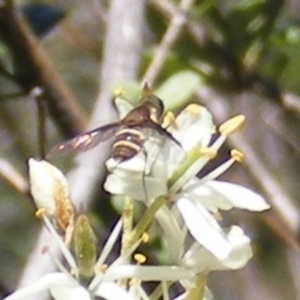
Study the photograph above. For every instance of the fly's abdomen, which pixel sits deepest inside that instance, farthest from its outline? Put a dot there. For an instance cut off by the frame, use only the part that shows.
(128, 143)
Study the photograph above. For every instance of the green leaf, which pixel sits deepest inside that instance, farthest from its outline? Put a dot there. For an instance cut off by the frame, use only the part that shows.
(129, 90)
(178, 89)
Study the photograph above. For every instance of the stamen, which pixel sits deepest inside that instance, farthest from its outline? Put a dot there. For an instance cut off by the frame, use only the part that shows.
(40, 212)
(103, 268)
(119, 91)
(214, 129)
(232, 125)
(218, 171)
(170, 121)
(140, 258)
(65, 251)
(165, 290)
(237, 155)
(145, 237)
(60, 266)
(109, 244)
(133, 282)
(209, 152)
(217, 216)
(193, 109)
(119, 261)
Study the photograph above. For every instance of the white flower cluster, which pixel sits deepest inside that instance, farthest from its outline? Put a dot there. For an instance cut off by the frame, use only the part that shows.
(186, 207)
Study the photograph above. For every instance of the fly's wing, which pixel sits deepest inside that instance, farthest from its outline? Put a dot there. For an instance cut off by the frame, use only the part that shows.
(156, 129)
(85, 141)
(163, 139)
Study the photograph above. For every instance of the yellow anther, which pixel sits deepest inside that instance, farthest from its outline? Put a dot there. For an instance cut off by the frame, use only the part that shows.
(170, 121)
(194, 109)
(102, 268)
(74, 271)
(134, 281)
(237, 155)
(218, 216)
(40, 212)
(118, 91)
(145, 237)
(232, 125)
(140, 258)
(214, 130)
(209, 152)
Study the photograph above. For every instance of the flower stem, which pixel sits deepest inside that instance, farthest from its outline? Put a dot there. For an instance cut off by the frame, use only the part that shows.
(127, 224)
(146, 219)
(198, 289)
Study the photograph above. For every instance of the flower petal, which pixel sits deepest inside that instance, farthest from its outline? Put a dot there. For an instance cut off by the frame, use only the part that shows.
(123, 106)
(130, 178)
(71, 292)
(204, 228)
(173, 234)
(226, 195)
(47, 183)
(195, 127)
(111, 291)
(199, 259)
(45, 283)
(148, 273)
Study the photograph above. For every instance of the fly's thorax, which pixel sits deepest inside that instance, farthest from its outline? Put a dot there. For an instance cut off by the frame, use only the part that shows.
(154, 106)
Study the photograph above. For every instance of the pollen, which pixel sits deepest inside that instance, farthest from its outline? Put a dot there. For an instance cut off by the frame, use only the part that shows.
(209, 152)
(232, 125)
(102, 269)
(214, 130)
(140, 258)
(134, 282)
(193, 109)
(40, 212)
(237, 155)
(145, 237)
(170, 121)
(119, 91)
(218, 216)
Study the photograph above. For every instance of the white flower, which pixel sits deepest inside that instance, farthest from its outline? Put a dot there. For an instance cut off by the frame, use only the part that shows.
(196, 200)
(47, 185)
(49, 190)
(66, 285)
(200, 260)
(199, 199)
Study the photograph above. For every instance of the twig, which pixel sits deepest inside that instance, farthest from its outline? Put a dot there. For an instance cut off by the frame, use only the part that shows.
(291, 102)
(13, 177)
(278, 197)
(168, 40)
(34, 69)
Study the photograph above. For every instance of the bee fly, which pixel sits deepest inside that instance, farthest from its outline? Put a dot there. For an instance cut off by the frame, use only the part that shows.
(130, 134)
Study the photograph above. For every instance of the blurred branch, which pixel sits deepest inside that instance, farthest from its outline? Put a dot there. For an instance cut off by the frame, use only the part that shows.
(34, 69)
(275, 194)
(121, 56)
(274, 118)
(167, 42)
(13, 177)
(291, 102)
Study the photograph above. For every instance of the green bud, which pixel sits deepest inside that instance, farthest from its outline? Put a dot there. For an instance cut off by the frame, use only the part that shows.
(84, 247)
